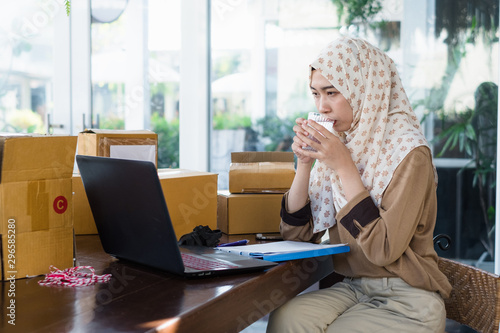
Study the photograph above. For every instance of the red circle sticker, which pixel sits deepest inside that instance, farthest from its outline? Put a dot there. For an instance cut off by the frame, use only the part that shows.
(60, 204)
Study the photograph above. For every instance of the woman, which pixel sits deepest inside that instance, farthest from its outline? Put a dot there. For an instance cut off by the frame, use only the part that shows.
(371, 183)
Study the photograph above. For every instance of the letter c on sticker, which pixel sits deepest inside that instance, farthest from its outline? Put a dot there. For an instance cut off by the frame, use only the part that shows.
(60, 204)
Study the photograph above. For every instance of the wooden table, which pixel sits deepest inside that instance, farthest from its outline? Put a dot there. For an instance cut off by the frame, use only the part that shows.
(139, 299)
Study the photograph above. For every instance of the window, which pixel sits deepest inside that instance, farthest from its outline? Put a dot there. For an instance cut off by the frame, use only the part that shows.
(30, 33)
(446, 52)
(135, 71)
(260, 56)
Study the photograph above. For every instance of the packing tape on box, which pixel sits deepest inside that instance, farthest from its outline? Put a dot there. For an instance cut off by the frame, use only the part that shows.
(38, 205)
(106, 142)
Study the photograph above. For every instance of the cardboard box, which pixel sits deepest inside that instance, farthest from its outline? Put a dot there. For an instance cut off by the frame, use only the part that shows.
(36, 251)
(191, 198)
(248, 213)
(36, 204)
(139, 144)
(261, 172)
(83, 220)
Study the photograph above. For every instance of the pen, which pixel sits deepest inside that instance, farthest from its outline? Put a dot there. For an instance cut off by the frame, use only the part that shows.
(240, 242)
(268, 237)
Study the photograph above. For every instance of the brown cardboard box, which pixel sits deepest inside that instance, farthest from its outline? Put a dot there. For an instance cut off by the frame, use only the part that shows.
(261, 172)
(36, 251)
(191, 198)
(83, 220)
(97, 142)
(36, 204)
(248, 213)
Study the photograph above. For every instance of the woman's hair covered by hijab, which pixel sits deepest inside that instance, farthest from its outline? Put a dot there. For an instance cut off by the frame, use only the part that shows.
(384, 128)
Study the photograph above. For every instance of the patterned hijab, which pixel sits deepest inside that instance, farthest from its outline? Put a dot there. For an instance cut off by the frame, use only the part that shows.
(384, 128)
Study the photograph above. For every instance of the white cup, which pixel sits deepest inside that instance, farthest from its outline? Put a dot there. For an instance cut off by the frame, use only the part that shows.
(323, 121)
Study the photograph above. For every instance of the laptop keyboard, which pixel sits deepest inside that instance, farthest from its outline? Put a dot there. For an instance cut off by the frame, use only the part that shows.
(197, 262)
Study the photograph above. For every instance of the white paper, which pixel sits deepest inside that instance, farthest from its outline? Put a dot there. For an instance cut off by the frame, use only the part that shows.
(134, 152)
(275, 248)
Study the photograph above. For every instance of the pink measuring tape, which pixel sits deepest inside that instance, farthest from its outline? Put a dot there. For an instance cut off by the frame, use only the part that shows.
(73, 277)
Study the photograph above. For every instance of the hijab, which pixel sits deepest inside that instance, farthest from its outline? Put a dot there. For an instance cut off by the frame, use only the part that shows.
(384, 128)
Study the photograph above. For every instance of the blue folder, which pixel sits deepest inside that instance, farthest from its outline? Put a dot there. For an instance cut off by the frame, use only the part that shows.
(303, 254)
(286, 250)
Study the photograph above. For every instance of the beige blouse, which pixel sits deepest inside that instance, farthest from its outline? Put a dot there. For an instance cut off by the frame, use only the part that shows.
(393, 240)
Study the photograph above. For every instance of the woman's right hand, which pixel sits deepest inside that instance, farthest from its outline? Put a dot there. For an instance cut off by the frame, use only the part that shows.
(298, 144)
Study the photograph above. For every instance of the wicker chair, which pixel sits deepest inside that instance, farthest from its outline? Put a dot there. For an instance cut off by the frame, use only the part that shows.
(475, 297)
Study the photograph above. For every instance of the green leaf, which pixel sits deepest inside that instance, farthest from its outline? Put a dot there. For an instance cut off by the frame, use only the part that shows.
(67, 4)
(470, 132)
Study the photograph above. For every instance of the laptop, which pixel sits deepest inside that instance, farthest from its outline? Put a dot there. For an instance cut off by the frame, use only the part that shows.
(133, 222)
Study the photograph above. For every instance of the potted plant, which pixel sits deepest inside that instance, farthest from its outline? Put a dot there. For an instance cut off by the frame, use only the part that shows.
(474, 132)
